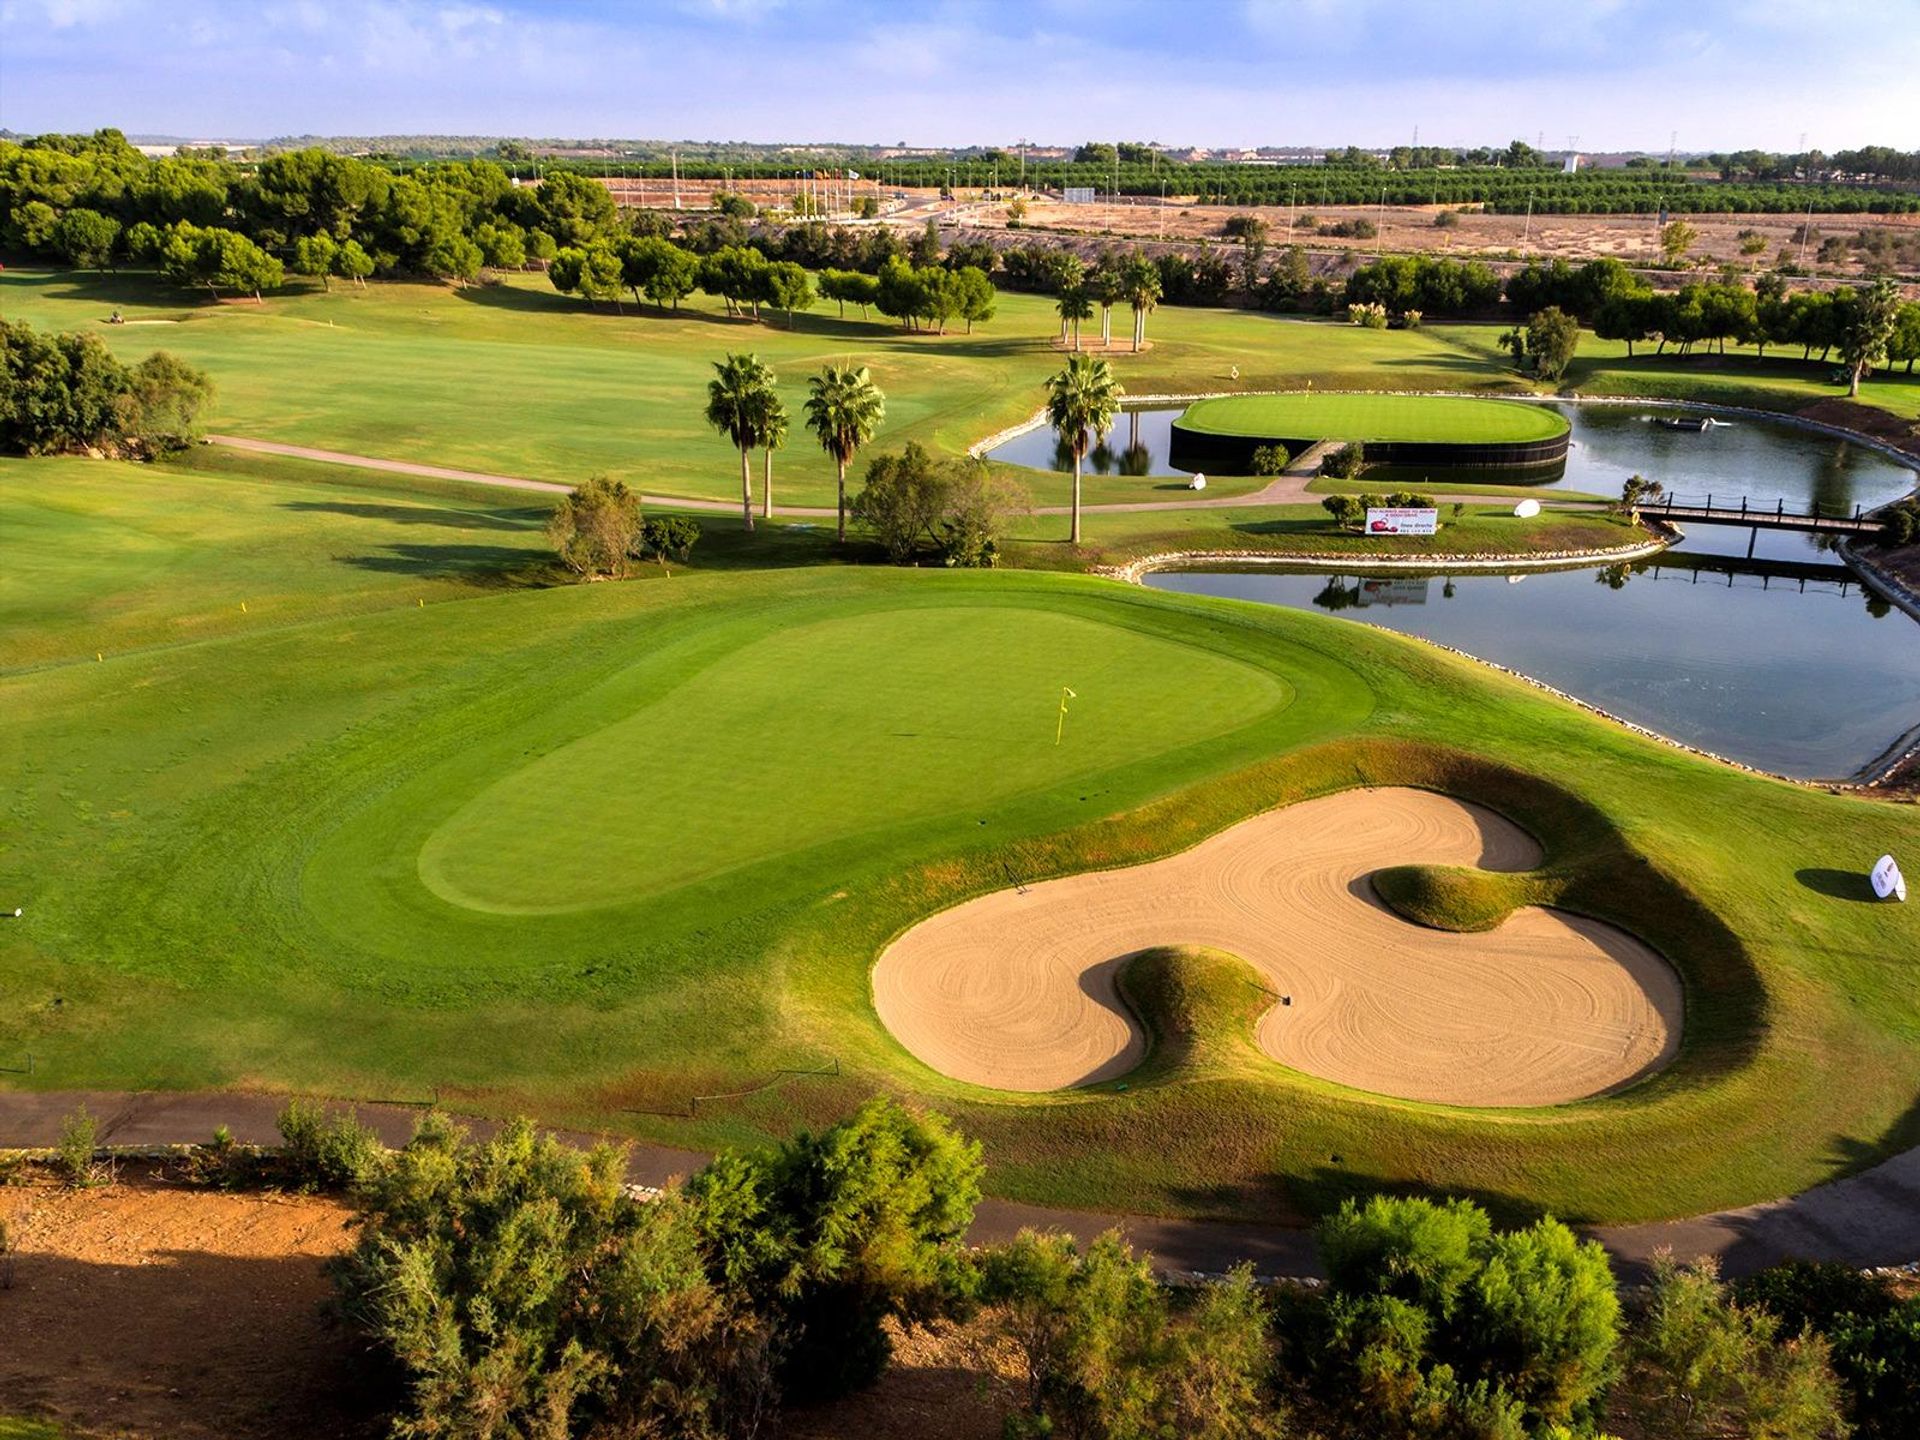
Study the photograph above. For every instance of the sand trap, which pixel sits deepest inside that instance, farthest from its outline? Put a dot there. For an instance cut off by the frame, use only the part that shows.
(1017, 990)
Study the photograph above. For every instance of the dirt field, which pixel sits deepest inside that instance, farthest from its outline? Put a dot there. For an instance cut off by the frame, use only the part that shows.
(1634, 239)
(1016, 990)
(144, 1309)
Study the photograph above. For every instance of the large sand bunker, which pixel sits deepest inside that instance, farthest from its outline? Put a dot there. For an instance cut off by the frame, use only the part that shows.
(1016, 990)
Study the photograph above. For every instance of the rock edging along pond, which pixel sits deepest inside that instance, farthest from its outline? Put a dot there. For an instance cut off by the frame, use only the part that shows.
(1133, 571)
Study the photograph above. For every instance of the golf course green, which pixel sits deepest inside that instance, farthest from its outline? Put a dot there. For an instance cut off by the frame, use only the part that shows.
(1225, 432)
(1375, 419)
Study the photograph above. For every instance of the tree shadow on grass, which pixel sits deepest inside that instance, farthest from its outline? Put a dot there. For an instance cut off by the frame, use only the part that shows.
(498, 563)
(423, 515)
(1839, 884)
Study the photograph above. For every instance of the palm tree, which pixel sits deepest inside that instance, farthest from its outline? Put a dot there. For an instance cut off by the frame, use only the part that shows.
(1107, 284)
(844, 408)
(1142, 281)
(773, 434)
(1074, 306)
(1081, 402)
(736, 407)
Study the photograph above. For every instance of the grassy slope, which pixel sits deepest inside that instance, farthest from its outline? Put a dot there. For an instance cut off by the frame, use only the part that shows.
(1375, 418)
(217, 844)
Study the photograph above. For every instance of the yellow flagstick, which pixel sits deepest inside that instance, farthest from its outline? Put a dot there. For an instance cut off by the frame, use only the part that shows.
(1060, 728)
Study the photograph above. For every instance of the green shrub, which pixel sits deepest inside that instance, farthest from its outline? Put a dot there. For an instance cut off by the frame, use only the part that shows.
(837, 1232)
(519, 1290)
(1701, 1363)
(1347, 511)
(322, 1150)
(1104, 1351)
(1878, 1360)
(73, 1155)
(1270, 459)
(1433, 1324)
(1346, 462)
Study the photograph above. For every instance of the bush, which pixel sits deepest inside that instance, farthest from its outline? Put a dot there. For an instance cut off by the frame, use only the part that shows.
(1900, 524)
(1432, 1324)
(957, 506)
(1446, 219)
(322, 1150)
(1270, 460)
(669, 535)
(1347, 511)
(518, 1289)
(1104, 1351)
(1875, 1337)
(1346, 462)
(837, 1232)
(1703, 1364)
(595, 529)
(1371, 314)
(73, 1155)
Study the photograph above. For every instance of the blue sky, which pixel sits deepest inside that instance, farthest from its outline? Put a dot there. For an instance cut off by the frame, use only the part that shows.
(1617, 73)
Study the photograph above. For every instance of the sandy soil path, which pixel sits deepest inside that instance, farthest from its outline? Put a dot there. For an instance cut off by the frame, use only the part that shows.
(1016, 990)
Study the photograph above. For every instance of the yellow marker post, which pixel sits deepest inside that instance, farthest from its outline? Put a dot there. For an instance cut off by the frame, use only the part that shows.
(1060, 728)
(243, 607)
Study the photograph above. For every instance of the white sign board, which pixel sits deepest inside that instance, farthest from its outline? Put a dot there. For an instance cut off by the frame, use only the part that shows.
(1888, 882)
(1527, 509)
(1397, 521)
(1078, 195)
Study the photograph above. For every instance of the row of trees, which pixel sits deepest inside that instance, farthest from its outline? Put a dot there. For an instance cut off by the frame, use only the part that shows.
(445, 219)
(66, 392)
(517, 1287)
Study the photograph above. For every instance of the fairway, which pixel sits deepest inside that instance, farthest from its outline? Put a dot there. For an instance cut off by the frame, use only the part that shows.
(1376, 419)
(896, 715)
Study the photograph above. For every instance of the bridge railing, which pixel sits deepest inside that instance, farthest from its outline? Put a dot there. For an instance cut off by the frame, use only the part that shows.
(1741, 506)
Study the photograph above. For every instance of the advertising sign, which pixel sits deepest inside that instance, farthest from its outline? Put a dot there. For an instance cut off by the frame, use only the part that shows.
(1402, 522)
(1888, 882)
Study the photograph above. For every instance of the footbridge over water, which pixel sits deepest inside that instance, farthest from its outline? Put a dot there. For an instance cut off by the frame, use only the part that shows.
(1736, 510)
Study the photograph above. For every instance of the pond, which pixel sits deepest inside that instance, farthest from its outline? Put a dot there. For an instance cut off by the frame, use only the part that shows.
(1764, 460)
(1781, 662)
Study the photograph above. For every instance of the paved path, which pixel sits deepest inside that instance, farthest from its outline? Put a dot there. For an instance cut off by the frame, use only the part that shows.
(1287, 489)
(1872, 1218)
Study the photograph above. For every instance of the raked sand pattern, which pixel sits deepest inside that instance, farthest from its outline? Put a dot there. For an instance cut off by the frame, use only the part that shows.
(1017, 990)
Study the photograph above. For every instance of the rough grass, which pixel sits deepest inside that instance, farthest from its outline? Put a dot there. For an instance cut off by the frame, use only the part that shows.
(1427, 419)
(1199, 1008)
(1452, 897)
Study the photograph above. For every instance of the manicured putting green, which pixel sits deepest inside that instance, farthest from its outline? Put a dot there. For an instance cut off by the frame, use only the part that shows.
(1376, 419)
(870, 720)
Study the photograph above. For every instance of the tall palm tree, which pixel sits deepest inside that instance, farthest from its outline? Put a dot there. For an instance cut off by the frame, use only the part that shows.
(1142, 281)
(844, 409)
(773, 434)
(1107, 283)
(1074, 306)
(736, 406)
(1081, 402)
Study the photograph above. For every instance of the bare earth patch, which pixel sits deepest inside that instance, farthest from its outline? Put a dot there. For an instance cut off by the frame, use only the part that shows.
(1017, 990)
(144, 1309)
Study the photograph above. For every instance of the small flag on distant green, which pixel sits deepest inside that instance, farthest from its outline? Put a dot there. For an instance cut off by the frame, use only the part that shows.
(1061, 728)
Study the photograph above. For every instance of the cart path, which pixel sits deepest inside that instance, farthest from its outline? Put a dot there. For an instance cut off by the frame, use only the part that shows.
(1871, 1218)
(1287, 489)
